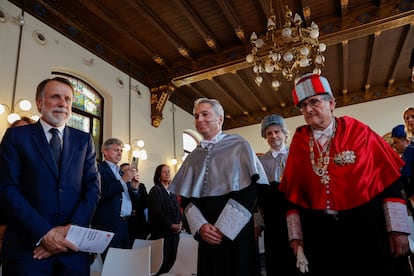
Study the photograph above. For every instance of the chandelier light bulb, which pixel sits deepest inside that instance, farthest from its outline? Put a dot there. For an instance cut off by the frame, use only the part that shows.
(270, 24)
(276, 57)
(304, 51)
(317, 71)
(304, 62)
(275, 84)
(322, 47)
(314, 25)
(259, 43)
(258, 80)
(297, 19)
(253, 37)
(319, 59)
(249, 58)
(286, 32)
(314, 33)
(269, 68)
(174, 161)
(288, 57)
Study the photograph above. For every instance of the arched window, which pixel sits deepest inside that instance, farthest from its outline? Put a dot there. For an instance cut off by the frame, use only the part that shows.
(87, 110)
(191, 139)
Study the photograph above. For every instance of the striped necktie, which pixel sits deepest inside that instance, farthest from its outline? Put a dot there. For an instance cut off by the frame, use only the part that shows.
(55, 145)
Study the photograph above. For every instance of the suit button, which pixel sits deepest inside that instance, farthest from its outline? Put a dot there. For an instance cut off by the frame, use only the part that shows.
(57, 214)
(60, 190)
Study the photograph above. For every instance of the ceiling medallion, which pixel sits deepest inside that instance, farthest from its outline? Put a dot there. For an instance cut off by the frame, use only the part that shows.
(286, 48)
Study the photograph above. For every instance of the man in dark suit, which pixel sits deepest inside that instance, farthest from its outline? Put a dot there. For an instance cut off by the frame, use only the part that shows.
(44, 194)
(115, 207)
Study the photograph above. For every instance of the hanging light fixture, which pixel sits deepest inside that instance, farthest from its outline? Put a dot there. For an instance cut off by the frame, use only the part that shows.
(286, 49)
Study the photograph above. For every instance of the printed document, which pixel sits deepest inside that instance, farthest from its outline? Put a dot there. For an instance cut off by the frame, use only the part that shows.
(88, 239)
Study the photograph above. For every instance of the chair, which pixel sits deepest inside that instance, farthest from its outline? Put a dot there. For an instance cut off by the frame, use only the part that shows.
(127, 262)
(187, 254)
(96, 266)
(157, 247)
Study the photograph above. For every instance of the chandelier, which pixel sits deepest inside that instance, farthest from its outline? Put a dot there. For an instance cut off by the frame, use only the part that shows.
(286, 49)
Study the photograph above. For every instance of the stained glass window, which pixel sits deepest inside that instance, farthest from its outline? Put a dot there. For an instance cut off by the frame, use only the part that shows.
(87, 110)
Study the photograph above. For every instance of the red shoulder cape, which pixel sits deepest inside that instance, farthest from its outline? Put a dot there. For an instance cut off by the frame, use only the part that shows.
(376, 166)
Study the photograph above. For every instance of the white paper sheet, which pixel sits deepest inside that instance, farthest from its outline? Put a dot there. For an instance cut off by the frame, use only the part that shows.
(88, 239)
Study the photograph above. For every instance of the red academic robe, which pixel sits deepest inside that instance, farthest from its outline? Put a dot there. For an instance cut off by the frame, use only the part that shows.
(375, 166)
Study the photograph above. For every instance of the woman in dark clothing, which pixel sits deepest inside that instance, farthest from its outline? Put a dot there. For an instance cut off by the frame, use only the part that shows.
(164, 216)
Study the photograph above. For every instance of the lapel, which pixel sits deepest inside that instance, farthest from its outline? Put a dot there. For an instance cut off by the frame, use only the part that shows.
(40, 142)
(109, 171)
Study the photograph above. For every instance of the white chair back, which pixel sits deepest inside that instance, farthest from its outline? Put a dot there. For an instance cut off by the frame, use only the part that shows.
(156, 252)
(127, 262)
(187, 254)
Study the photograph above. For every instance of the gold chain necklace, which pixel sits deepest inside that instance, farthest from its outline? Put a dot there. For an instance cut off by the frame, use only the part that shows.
(320, 167)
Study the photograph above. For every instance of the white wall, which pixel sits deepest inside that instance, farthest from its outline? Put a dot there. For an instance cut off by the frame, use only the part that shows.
(61, 54)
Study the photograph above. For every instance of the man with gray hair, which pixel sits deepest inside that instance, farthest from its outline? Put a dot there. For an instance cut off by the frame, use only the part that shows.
(342, 183)
(217, 184)
(115, 207)
(49, 181)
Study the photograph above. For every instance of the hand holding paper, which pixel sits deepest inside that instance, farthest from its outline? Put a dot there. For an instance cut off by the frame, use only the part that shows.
(232, 219)
(89, 240)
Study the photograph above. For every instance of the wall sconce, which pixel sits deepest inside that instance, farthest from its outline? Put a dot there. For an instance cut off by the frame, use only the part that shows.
(177, 161)
(24, 107)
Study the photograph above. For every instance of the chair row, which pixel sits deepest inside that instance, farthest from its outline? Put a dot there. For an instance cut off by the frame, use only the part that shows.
(146, 256)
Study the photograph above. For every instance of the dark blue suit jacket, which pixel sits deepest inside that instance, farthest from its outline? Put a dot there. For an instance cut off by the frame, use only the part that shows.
(109, 209)
(34, 195)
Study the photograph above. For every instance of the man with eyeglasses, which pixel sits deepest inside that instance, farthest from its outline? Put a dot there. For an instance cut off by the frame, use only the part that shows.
(343, 193)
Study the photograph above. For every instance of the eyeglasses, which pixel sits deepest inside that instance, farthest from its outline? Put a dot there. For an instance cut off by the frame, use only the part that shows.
(312, 103)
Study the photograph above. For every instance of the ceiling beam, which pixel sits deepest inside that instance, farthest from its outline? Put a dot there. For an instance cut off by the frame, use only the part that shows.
(82, 28)
(198, 24)
(345, 67)
(163, 28)
(406, 45)
(344, 7)
(246, 85)
(232, 18)
(196, 91)
(106, 17)
(355, 32)
(371, 62)
(229, 97)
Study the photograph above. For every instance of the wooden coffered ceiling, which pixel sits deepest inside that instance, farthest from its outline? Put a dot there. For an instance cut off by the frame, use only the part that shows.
(186, 49)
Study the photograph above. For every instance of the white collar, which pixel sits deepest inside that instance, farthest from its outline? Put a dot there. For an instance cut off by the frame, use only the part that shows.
(326, 132)
(283, 150)
(46, 127)
(206, 143)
